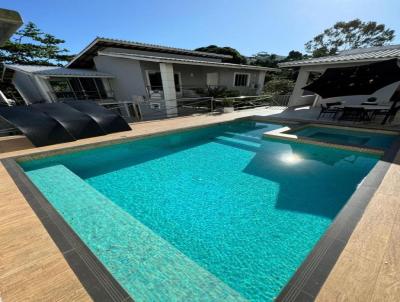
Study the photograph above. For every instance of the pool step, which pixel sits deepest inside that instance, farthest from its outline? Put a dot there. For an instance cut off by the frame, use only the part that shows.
(146, 265)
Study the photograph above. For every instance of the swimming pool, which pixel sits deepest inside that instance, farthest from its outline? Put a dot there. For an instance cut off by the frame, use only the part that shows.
(213, 214)
(347, 136)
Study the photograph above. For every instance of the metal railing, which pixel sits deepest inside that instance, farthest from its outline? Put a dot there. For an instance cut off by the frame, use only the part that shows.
(246, 102)
(184, 107)
(184, 91)
(205, 105)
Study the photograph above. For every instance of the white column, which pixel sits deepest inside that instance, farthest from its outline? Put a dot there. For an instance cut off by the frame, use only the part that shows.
(301, 81)
(260, 82)
(168, 82)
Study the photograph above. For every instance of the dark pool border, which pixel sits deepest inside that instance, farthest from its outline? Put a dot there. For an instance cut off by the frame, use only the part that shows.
(95, 278)
(309, 278)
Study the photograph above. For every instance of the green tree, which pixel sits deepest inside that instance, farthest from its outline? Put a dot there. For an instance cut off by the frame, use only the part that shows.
(279, 86)
(237, 58)
(266, 59)
(349, 35)
(295, 55)
(31, 46)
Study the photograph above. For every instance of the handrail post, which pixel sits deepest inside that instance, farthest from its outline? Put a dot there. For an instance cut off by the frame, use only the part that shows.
(212, 104)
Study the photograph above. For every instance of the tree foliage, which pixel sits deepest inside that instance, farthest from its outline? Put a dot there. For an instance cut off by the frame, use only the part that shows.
(349, 35)
(265, 59)
(279, 86)
(295, 55)
(272, 60)
(31, 46)
(237, 58)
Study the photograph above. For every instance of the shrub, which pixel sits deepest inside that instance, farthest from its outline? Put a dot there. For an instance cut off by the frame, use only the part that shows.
(217, 92)
(227, 103)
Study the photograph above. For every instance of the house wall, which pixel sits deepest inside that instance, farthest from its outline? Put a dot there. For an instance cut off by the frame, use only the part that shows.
(297, 99)
(195, 76)
(226, 78)
(128, 82)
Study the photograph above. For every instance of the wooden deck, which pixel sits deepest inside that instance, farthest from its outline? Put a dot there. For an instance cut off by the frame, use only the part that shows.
(369, 267)
(31, 266)
(33, 269)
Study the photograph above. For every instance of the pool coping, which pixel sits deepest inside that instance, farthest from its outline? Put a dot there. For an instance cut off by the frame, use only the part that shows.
(305, 283)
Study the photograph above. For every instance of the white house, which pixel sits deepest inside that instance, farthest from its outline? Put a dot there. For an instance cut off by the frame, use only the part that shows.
(152, 76)
(312, 68)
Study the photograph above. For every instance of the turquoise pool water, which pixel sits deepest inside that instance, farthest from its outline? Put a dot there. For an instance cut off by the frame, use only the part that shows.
(215, 214)
(347, 137)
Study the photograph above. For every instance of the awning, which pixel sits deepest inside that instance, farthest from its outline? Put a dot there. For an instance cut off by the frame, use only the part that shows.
(358, 80)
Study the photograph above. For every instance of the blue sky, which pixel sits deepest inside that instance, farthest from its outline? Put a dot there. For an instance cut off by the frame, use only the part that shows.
(275, 26)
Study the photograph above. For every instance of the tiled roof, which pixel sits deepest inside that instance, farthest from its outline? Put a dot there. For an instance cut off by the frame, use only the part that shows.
(56, 71)
(185, 61)
(85, 57)
(161, 47)
(355, 55)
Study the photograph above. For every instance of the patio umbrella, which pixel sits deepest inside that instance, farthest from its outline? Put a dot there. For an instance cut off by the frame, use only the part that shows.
(358, 80)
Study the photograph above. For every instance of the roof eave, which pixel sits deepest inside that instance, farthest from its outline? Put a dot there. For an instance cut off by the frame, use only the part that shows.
(82, 52)
(187, 62)
(304, 63)
(44, 75)
(72, 76)
(99, 39)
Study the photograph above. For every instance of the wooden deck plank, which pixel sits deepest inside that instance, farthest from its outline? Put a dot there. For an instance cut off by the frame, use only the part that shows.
(352, 279)
(365, 271)
(31, 266)
(387, 287)
(373, 230)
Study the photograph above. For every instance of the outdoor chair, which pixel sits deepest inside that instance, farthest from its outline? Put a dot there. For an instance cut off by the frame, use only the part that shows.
(390, 114)
(329, 109)
(355, 114)
(376, 113)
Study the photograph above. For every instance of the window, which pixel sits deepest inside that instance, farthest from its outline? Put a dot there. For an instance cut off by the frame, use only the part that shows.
(156, 82)
(78, 88)
(60, 85)
(62, 89)
(241, 80)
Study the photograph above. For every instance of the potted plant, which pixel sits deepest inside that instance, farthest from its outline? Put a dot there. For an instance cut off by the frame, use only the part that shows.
(227, 105)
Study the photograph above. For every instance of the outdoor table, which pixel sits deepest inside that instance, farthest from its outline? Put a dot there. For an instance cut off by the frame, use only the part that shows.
(366, 107)
(370, 109)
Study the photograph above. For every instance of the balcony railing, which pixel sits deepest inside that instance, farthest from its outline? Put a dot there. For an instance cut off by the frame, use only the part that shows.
(156, 92)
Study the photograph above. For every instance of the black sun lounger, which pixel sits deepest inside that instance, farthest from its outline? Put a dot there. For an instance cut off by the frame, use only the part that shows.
(78, 124)
(108, 120)
(38, 127)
